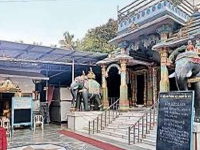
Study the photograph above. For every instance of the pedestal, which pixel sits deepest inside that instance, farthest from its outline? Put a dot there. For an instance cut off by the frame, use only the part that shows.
(196, 133)
(79, 120)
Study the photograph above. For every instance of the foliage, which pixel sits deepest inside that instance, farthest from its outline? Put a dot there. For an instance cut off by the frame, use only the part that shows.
(96, 39)
(67, 42)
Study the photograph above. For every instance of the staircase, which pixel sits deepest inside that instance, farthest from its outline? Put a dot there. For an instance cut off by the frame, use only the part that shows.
(149, 142)
(133, 128)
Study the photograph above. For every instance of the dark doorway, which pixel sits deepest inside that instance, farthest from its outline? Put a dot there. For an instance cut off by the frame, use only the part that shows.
(6, 104)
(113, 83)
(140, 89)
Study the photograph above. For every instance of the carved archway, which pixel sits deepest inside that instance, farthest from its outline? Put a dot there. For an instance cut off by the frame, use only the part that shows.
(113, 65)
(113, 72)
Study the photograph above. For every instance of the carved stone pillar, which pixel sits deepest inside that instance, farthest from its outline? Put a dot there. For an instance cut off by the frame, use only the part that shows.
(145, 88)
(150, 87)
(134, 89)
(164, 81)
(123, 103)
(155, 87)
(104, 88)
(164, 31)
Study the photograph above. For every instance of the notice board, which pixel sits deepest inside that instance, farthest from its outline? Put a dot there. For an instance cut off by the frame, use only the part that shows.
(22, 112)
(175, 121)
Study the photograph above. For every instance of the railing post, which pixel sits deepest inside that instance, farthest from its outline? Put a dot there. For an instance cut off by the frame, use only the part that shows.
(105, 118)
(101, 121)
(150, 121)
(109, 116)
(89, 127)
(129, 135)
(138, 131)
(113, 112)
(134, 134)
(93, 127)
(116, 109)
(154, 113)
(97, 124)
(146, 123)
(142, 126)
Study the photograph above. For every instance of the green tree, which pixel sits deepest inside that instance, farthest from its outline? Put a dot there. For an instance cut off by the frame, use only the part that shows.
(67, 42)
(97, 38)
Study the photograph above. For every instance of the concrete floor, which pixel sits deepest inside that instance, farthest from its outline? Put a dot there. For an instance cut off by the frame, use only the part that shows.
(49, 139)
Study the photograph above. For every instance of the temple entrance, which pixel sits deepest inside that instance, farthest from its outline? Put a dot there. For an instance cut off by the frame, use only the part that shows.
(7, 91)
(113, 83)
(6, 104)
(140, 90)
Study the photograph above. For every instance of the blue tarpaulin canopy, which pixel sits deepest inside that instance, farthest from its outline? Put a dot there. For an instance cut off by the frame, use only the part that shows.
(49, 60)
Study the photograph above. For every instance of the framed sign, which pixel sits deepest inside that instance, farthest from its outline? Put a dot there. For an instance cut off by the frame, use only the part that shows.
(175, 121)
(22, 112)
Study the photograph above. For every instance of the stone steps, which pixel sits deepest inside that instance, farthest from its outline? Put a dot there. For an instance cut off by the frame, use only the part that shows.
(115, 134)
(151, 138)
(118, 129)
(145, 146)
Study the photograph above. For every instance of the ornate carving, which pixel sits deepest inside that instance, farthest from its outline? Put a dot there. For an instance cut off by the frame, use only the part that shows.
(8, 85)
(197, 45)
(164, 29)
(103, 70)
(113, 65)
(180, 33)
(177, 2)
(133, 27)
(91, 74)
(123, 65)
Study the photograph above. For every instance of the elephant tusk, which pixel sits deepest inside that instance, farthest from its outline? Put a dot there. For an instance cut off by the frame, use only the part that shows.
(189, 85)
(91, 96)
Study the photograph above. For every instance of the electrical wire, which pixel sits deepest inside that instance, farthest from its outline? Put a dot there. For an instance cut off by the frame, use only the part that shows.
(27, 1)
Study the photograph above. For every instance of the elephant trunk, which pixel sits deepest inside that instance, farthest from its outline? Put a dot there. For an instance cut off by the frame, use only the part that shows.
(182, 83)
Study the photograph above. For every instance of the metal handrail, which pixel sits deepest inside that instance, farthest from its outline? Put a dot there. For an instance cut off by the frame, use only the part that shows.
(143, 126)
(102, 120)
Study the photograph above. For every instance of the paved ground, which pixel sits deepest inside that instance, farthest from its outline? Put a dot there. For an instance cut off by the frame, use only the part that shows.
(49, 139)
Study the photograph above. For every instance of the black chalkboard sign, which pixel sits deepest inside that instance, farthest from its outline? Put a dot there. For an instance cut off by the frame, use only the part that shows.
(22, 115)
(175, 121)
(21, 111)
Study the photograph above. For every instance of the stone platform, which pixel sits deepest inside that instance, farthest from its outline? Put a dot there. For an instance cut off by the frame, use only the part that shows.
(79, 119)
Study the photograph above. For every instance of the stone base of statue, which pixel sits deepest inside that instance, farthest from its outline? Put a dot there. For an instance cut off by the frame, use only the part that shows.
(196, 133)
(77, 120)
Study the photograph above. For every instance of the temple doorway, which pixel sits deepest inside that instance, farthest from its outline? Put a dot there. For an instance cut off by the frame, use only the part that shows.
(6, 104)
(140, 90)
(113, 83)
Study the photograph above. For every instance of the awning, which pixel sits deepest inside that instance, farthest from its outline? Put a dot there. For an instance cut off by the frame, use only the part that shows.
(22, 74)
(20, 52)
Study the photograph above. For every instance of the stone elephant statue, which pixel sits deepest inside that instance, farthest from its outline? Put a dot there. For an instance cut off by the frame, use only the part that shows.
(187, 65)
(85, 89)
(75, 86)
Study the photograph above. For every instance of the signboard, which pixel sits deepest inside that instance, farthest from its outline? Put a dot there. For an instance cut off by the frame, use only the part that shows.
(175, 121)
(21, 111)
